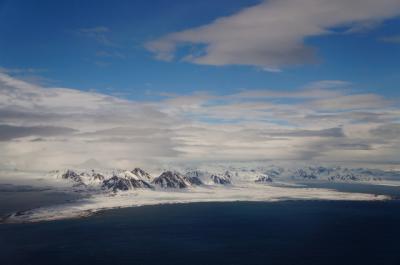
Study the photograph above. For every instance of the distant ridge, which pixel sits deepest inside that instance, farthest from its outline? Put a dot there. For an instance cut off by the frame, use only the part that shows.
(137, 178)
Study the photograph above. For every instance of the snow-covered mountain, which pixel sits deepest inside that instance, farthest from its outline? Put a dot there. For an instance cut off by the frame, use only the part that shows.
(172, 179)
(85, 178)
(140, 173)
(203, 183)
(127, 180)
(316, 173)
(115, 180)
(335, 174)
(223, 179)
(200, 177)
(124, 180)
(263, 179)
(194, 181)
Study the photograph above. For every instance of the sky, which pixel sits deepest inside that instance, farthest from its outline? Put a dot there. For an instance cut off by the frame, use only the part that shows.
(126, 83)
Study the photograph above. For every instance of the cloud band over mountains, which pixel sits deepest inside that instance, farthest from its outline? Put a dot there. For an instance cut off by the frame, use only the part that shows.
(49, 127)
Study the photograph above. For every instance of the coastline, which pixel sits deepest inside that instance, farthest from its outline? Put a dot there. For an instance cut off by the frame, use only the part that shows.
(98, 203)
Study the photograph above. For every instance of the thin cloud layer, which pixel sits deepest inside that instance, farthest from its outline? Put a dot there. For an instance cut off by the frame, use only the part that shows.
(99, 34)
(272, 34)
(47, 128)
(391, 39)
(9, 132)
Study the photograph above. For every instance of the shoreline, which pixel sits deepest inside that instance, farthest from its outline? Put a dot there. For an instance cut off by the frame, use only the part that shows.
(97, 204)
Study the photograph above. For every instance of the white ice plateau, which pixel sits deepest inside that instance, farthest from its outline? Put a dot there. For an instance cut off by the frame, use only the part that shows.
(128, 188)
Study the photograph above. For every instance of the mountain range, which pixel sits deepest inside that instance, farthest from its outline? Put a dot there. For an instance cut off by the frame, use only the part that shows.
(124, 180)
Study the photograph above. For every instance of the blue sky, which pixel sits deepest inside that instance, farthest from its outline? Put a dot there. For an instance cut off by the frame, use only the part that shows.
(148, 82)
(47, 37)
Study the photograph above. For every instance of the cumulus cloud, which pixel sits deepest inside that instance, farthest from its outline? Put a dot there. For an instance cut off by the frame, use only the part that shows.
(271, 34)
(51, 127)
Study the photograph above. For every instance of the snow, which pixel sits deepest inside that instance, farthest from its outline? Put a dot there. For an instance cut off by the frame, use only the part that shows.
(256, 192)
(283, 186)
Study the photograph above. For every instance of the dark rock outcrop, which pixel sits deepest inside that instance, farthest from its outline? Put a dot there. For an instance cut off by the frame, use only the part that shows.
(169, 179)
(263, 179)
(140, 173)
(224, 179)
(194, 177)
(123, 182)
(73, 176)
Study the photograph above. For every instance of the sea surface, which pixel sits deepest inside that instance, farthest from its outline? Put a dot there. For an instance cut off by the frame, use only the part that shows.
(289, 232)
(16, 198)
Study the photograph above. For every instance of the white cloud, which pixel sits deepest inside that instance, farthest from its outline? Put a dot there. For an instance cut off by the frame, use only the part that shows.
(353, 102)
(48, 128)
(272, 34)
(31, 111)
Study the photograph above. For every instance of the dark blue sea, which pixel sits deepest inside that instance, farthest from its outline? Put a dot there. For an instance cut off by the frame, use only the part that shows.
(246, 233)
(295, 232)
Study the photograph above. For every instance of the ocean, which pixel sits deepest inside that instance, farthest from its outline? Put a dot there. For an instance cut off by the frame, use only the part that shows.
(289, 232)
